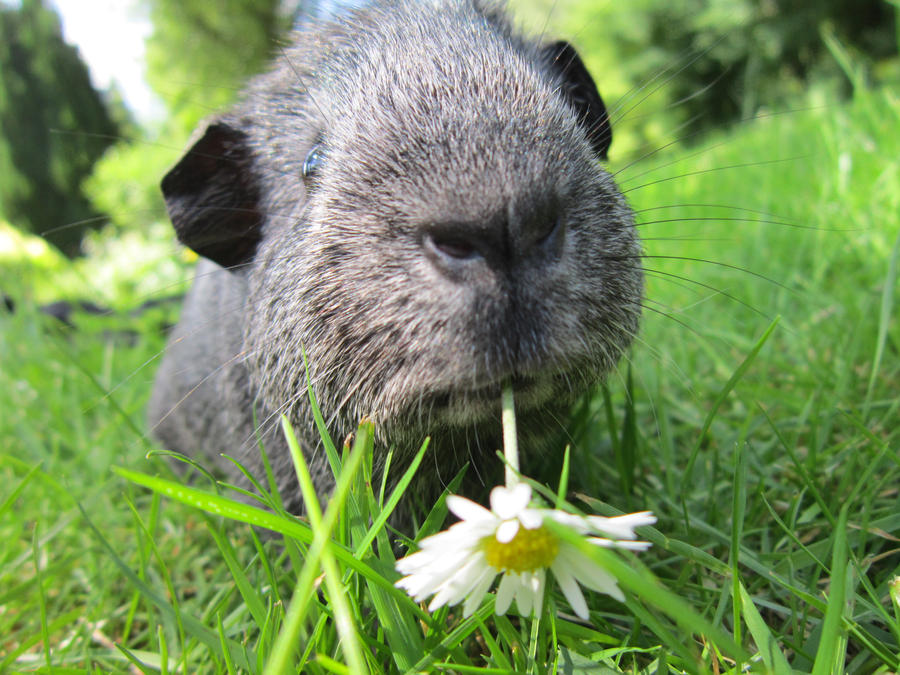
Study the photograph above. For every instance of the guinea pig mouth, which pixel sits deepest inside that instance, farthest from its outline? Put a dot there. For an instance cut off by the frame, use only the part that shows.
(460, 405)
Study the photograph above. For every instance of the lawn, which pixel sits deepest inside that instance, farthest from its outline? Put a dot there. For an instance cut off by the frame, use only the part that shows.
(770, 457)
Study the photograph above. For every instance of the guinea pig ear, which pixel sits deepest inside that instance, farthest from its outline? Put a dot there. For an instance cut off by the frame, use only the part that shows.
(213, 198)
(582, 94)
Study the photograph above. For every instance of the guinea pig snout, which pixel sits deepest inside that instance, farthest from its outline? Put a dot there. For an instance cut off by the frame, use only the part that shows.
(460, 248)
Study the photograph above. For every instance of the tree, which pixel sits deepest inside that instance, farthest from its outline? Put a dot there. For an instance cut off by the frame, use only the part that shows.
(719, 61)
(53, 126)
(201, 53)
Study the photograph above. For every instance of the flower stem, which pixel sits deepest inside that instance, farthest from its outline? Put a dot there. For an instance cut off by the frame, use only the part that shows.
(510, 444)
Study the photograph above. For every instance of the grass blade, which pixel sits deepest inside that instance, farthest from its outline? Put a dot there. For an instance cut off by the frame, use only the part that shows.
(720, 399)
(392, 501)
(739, 507)
(830, 640)
(319, 554)
(884, 321)
(768, 647)
(249, 594)
(195, 628)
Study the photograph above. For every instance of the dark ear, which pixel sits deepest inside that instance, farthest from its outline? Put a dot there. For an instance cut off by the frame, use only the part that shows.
(582, 94)
(212, 197)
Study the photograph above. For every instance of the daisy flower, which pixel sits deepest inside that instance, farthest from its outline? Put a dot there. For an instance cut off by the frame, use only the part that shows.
(460, 563)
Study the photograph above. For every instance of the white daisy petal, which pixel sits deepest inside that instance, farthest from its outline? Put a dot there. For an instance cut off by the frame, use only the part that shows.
(457, 531)
(443, 595)
(421, 585)
(570, 520)
(539, 579)
(425, 559)
(457, 587)
(622, 527)
(531, 519)
(615, 592)
(415, 584)
(454, 539)
(524, 594)
(476, 595)
(433, 564)
(505, 594)
(570, 588)
(594, 577)
(466, 509)
(471, 576)
(507, 502)
(438, 601)
(507, 531)
(620, 543)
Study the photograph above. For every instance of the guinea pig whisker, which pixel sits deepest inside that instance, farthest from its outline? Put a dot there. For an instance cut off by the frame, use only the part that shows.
(351, 391)
(193, 389)
(728, 207)
(671, 317)
(716, 291)
(717, 263)
(619, 112)
(731, 167)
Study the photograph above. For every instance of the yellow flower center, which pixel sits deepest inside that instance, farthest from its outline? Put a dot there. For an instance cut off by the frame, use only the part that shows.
(529, 550)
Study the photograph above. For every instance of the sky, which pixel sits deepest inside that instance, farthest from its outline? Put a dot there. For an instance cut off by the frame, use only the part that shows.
(110, 36)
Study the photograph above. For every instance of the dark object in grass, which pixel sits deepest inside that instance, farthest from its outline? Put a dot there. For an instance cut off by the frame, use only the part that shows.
(61, 310)
(66, 311)
(413, 195)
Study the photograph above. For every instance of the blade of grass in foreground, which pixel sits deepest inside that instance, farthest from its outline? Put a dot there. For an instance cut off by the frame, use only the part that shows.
(439, 511)
(57, 624)
(330, 450)
(401, 633)
(11, 499)
(765, 641)
(167, 577)
(251, 597)
(826, 657)
(379, 522)
(42, 598)
(452, 639)
(320, 555)
(252, 515)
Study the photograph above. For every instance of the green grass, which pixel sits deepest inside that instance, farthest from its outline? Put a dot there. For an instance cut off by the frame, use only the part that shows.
(771, 460)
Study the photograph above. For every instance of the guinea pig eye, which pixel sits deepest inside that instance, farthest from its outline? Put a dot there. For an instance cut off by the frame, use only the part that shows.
(313, 161)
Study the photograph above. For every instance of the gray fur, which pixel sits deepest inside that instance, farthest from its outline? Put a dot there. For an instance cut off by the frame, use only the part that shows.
(438, 124)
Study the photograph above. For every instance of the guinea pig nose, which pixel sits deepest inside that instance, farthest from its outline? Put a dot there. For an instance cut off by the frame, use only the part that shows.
(456, 245)
(549, 235)
(502, 243)
(453, 247)
(537, 235)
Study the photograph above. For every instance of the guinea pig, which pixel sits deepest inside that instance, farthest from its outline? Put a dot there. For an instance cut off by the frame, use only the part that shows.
(412, 197)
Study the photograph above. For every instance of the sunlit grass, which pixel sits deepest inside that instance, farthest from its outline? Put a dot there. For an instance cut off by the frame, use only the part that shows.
(775, 484)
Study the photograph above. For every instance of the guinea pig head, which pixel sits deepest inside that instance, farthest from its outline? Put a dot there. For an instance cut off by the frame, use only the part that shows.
(424, 221)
